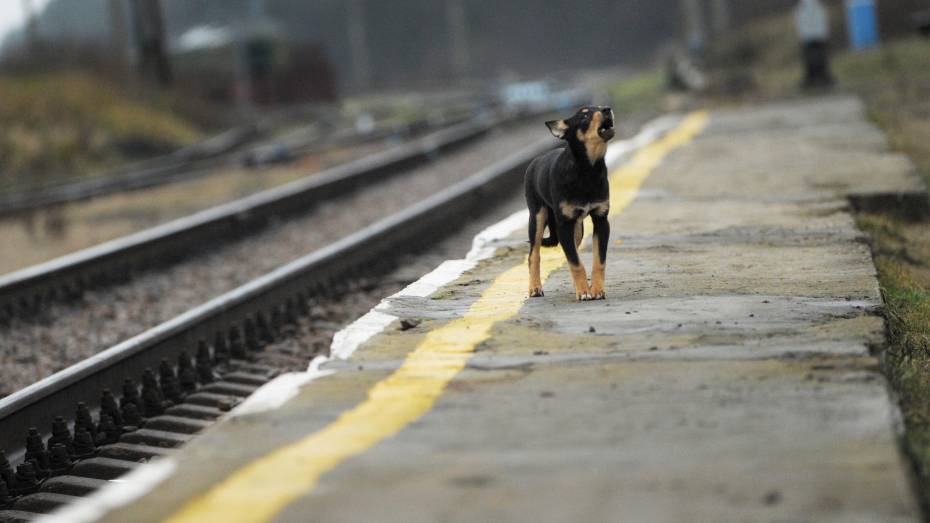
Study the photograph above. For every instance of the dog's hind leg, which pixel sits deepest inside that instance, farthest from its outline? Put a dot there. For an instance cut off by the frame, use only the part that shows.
(579, 275)
(537, 226)
(579, 231)
(553, 239)
(601, 240)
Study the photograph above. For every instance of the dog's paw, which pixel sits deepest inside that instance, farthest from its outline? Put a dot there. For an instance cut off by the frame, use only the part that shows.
(597, 294)
(536, 292)
(583, 296)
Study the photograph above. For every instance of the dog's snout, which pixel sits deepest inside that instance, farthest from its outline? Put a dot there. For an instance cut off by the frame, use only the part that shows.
(607, 111)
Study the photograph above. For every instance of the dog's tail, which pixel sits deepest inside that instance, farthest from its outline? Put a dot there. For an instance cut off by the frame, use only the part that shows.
(553, 239)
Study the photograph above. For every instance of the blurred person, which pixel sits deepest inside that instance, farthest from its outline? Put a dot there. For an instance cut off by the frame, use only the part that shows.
(813, 24)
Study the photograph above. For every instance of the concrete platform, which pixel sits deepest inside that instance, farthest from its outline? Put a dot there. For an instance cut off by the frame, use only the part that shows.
(731, 375)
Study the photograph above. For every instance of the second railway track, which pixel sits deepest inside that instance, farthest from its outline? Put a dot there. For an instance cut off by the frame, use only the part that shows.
(225, 150)
(24, 292)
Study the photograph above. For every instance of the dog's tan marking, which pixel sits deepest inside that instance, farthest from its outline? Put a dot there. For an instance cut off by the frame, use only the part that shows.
(571, 210)
(579, 231)
(597, 273)
(594, 145)
(535, 280)
(600, 208)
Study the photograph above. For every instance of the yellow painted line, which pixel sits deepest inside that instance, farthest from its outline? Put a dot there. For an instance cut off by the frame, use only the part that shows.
(260, 490)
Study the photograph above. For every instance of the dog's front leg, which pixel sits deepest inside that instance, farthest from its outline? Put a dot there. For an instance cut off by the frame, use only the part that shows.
(579, 275)
(601, 240)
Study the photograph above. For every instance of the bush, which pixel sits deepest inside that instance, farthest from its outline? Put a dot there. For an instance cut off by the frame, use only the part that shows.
(70, 123)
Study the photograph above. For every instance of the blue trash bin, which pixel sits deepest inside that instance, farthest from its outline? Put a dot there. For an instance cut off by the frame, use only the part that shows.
(862, 21)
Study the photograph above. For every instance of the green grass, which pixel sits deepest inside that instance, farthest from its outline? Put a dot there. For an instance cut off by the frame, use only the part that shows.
(894, 84)
(902, 253)
(641, 93)
(69, 123)
(761, 59)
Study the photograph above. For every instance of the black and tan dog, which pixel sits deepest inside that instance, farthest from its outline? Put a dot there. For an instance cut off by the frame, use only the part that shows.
(565, 185)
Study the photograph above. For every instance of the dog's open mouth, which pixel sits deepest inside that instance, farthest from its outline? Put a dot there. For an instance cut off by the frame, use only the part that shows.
(606, 130)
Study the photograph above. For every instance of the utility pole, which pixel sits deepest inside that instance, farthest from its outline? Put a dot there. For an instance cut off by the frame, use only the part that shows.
(149, 29)
(32, 28)
(358, 45)
(243, 79)
(458, 37)
(693, 26)
(720, 16)
(118, 35)
(242, 69)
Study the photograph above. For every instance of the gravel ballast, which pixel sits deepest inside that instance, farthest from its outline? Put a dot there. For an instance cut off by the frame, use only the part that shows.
(313, 335)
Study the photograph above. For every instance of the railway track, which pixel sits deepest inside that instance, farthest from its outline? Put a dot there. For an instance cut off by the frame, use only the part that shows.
(24, 293)
(223, 150)
(69, 434)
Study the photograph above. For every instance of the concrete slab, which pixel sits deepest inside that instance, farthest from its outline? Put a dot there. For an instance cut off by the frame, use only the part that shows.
(730, 376)
(606, 440)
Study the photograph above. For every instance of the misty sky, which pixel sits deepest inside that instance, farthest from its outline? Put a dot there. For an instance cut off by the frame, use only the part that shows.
(11, 15)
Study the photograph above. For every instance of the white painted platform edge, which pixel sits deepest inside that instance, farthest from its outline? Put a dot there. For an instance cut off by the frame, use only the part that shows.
(119, 493)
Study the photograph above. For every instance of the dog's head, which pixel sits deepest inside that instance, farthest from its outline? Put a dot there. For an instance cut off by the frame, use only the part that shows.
(590, 123)
(591, 127)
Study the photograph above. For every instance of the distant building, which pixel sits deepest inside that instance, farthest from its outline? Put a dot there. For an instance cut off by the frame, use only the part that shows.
(253, 63)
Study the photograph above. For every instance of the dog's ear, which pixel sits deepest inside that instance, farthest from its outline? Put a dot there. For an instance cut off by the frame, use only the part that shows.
(557, 128)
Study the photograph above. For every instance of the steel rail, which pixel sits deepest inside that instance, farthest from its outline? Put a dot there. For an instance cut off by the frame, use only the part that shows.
(198, 158)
